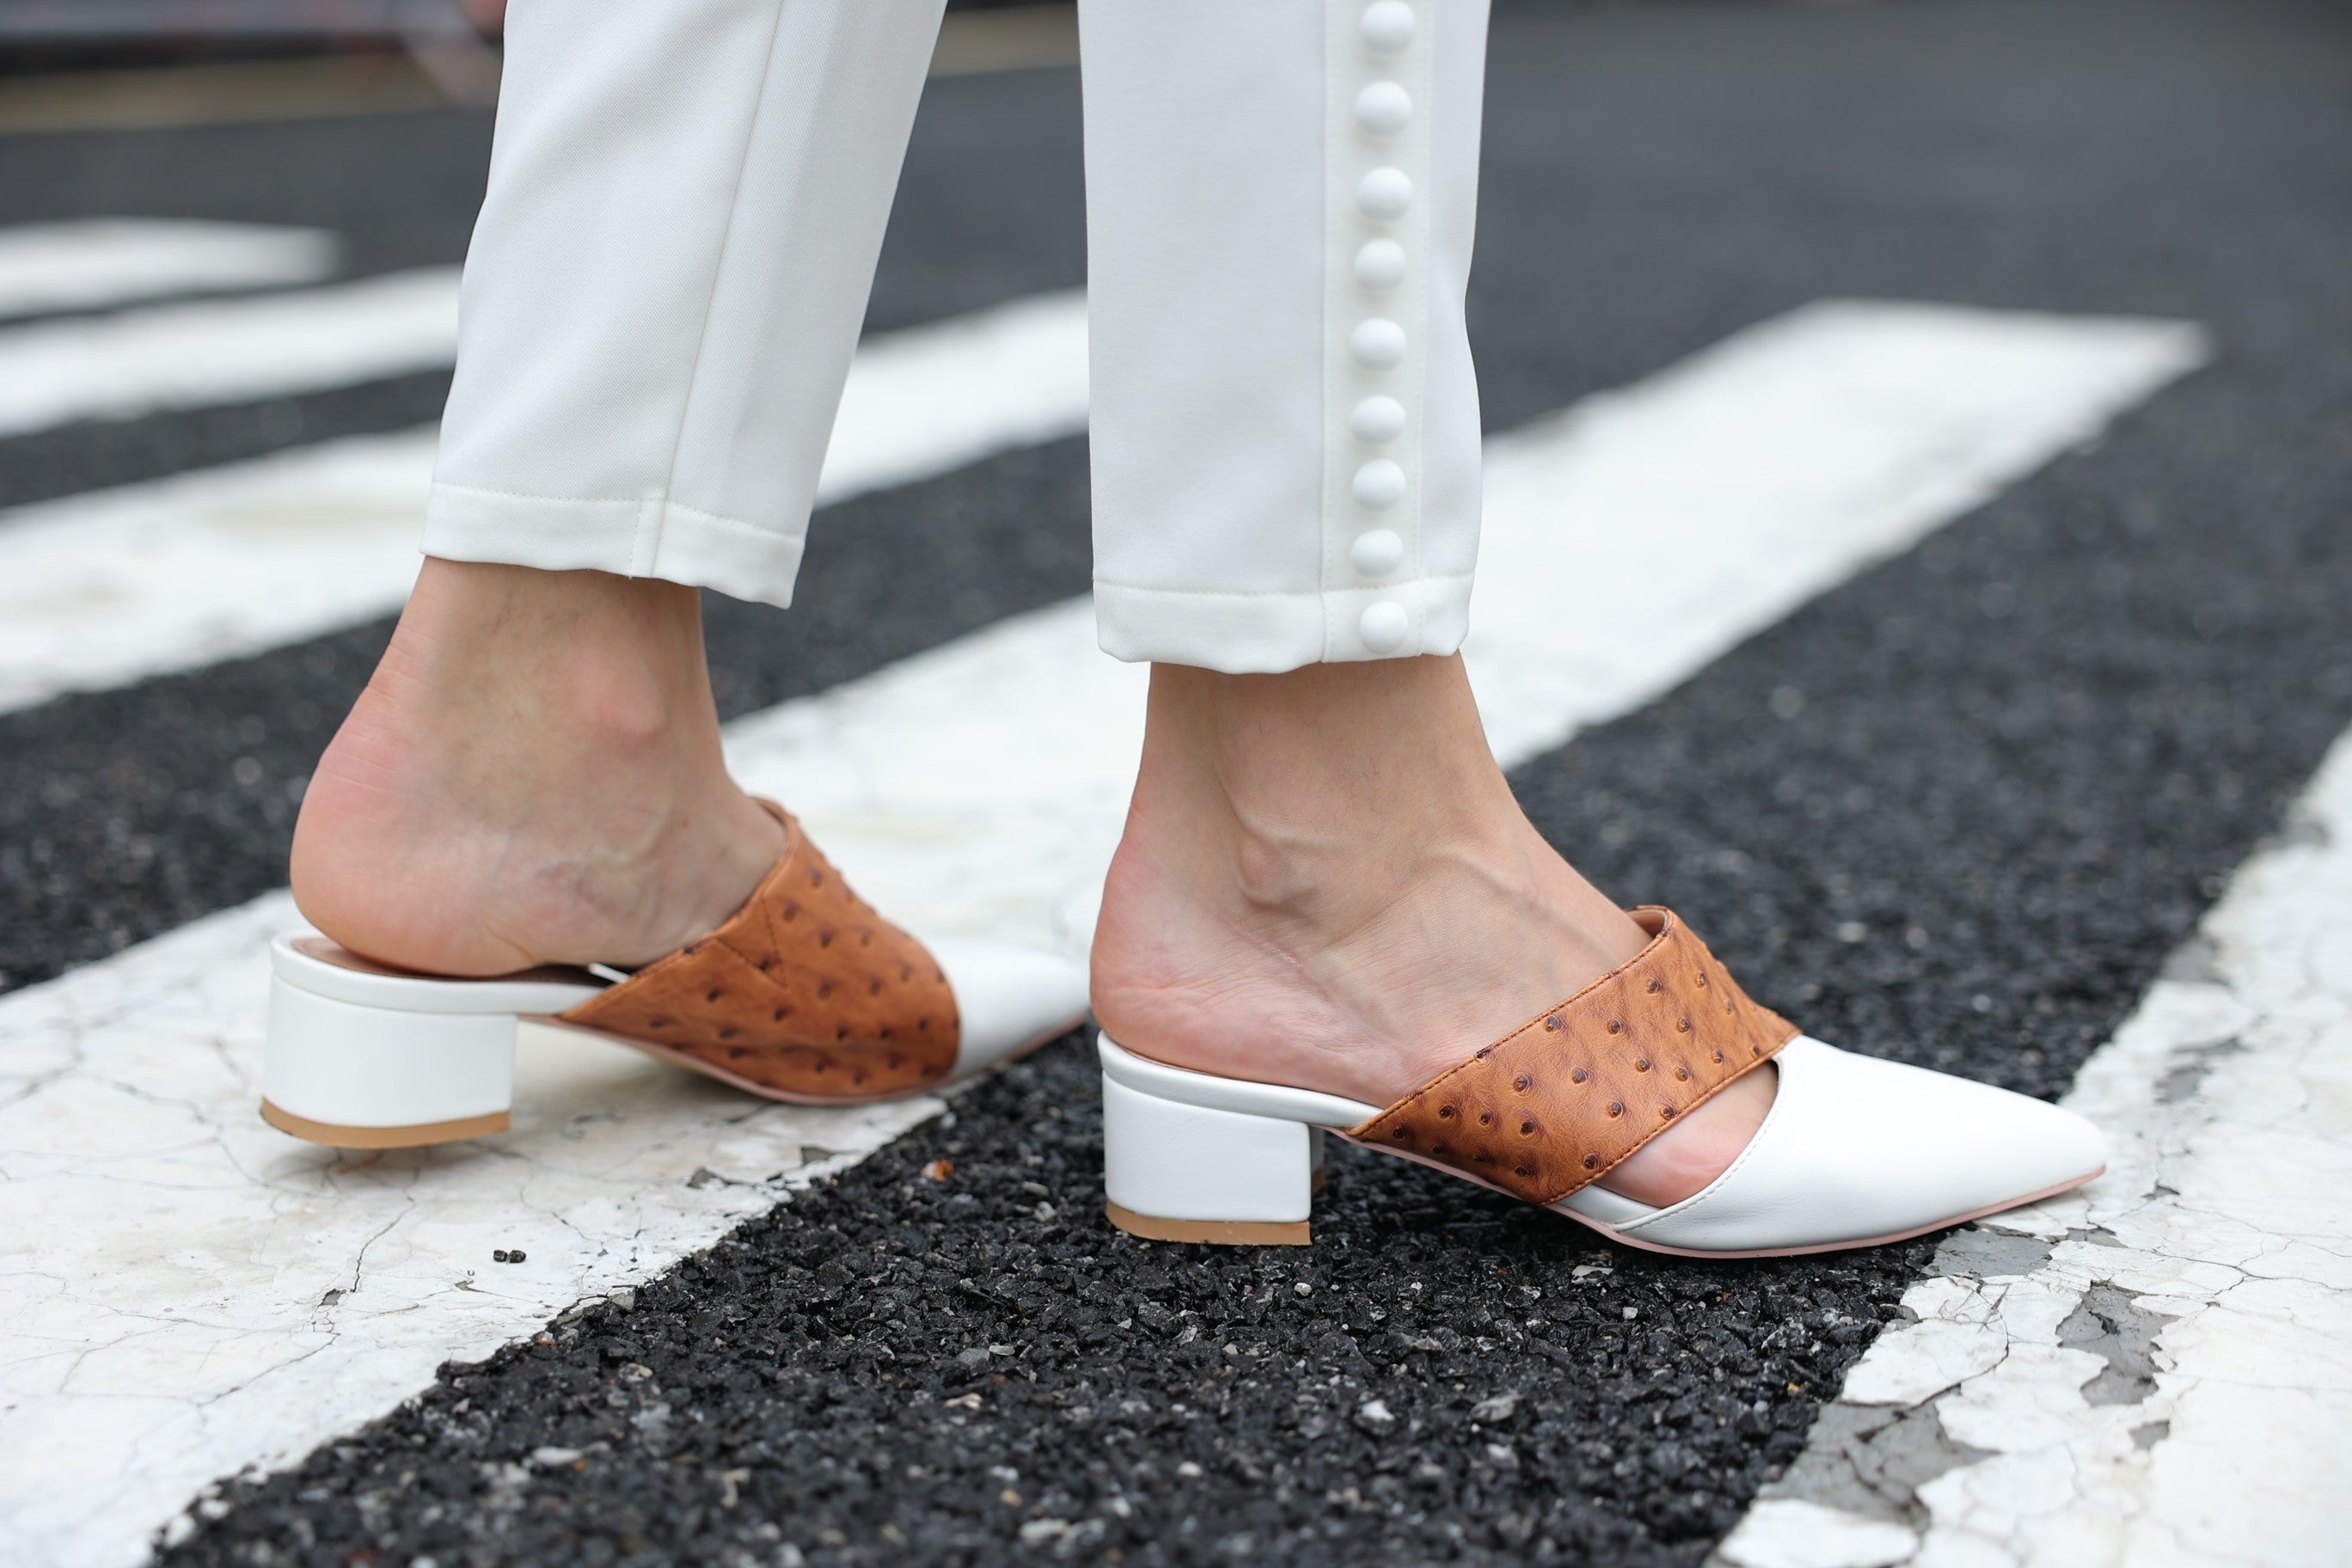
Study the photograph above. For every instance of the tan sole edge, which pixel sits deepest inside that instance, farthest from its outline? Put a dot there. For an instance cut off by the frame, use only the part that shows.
(1215, 1232)
(384, 1137)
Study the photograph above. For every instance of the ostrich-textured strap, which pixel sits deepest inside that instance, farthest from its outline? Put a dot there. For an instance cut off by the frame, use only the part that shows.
(804, 989)
(1558, 1104)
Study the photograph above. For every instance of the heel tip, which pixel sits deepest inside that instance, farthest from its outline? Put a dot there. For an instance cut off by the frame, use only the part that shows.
(1214, 1232)
(415, 1137)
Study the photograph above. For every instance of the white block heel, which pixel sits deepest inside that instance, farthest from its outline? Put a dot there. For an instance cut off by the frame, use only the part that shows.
(365, 1058)
(1187, 1157)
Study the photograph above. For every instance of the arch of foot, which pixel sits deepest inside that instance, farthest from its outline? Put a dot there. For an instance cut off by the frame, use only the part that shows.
(1377, 86)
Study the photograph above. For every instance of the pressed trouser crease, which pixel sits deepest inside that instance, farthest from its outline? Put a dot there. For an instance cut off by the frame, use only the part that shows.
(673, 260)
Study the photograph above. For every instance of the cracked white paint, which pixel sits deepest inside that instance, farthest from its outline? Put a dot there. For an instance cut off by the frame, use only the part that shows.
(1954, 1340)
(2227, 1099)
(1792, 1532)
(170, 1267)
(185, 1290)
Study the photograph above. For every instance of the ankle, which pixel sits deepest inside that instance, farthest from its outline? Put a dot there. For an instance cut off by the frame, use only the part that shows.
(1319, 785)
(1322, 797)
(509, 695)
(1328, 865)
(540, 751)
(608, 659)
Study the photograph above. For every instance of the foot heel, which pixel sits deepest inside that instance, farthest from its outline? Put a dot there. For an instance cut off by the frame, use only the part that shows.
(359, 1077)
(1185, 1173)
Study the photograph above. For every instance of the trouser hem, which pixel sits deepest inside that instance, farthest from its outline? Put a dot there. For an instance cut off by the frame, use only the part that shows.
(1266, 634)
(649, 538)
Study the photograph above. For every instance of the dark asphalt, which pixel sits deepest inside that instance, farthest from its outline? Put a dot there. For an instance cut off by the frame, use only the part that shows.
(1167, 1403)
(2018, 760)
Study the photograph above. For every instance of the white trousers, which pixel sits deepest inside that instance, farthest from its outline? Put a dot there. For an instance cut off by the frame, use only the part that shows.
(686, 202)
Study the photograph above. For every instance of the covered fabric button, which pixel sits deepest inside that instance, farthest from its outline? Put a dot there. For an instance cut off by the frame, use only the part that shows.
(1387, 27)
(1383, 625)
(1379, 484)
(1384, 193)
(1376, 344)
(1377, 420)
(1377, 553)
(1380, 264)
(1383, 108)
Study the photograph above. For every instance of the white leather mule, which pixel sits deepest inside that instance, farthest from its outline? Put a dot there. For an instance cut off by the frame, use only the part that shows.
(804, 994)
(1853, 1153)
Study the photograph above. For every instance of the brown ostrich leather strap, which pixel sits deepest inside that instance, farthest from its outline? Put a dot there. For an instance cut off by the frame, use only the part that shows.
(1558, 1104)
(805, 990)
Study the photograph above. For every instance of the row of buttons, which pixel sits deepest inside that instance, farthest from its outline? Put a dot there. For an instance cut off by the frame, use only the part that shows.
(1383, 108)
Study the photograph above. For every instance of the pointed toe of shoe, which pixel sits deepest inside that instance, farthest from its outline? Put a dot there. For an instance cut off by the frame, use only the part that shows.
(1008, 998)
(1858, 1151)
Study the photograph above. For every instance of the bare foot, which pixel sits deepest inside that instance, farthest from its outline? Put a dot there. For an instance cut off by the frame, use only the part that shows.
(1325, 881)
(533, 775)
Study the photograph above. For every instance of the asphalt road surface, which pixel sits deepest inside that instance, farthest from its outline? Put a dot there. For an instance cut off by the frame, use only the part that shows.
(1960, 809)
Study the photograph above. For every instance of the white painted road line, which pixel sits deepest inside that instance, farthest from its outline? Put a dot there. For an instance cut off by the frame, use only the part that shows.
(162, 357)
(2156, 1371)
(1725, 492)
(94, 263)
(106, 588)
(183, 1291)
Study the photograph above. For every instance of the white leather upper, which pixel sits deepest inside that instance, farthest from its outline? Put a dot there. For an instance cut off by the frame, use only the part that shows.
(1006, 996)
(1240, 1095)
(1856, 1149)
(418, 992)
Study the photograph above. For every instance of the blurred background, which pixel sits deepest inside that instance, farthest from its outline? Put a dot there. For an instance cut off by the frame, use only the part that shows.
(92, 63)
(1991, 662)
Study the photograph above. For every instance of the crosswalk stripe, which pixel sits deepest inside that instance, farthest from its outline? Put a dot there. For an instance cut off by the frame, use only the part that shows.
(186, 1291)
(92, 263)
(189, 355)
(2158, 1373)
(104, 588)
(107, 587)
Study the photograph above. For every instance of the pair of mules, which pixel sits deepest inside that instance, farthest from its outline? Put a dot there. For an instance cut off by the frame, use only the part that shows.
(807, 994)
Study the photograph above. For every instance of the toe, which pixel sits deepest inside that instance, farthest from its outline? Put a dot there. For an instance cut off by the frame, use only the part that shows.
(1007, 997)
(1858, 1150)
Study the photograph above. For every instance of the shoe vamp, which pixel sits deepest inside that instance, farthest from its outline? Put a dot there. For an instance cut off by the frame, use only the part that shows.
(852, 1023)
(1856, 1148)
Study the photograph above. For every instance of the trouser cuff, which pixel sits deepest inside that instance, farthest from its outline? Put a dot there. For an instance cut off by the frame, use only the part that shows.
(647, 538)
(1265, 634)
